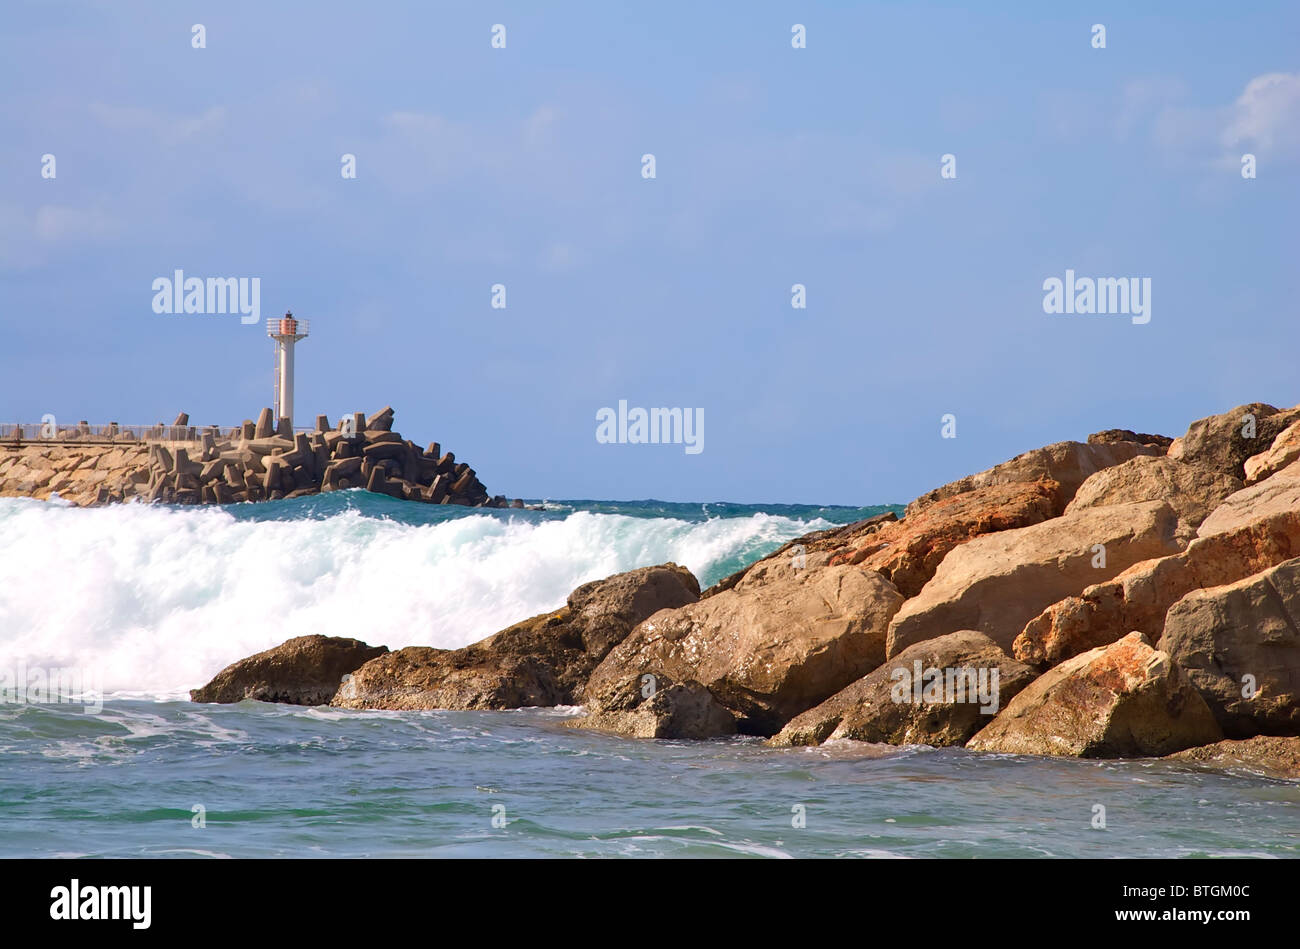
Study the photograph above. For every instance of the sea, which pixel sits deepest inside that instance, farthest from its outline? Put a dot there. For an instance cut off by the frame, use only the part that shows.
(142, 603)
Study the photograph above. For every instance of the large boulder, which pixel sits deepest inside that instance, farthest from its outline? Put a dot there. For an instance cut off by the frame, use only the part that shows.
(1067, 463)
(1224, 442)
(1240, 646)
(1139, 598)
(939, 692)
(647, 706)
(1277, 494)
(1269, 755)
(998, 582)
(1192, 490)
(908, 552)
(781, 640)
(1284, 450)
(1122, 700)
(541, 661)
(305, 670)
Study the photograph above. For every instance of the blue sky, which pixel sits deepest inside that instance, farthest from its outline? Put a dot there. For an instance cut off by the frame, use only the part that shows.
(775, 166)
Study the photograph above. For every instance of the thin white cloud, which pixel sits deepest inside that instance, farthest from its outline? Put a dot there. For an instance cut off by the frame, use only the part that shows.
(167, 129)
(1266, 116)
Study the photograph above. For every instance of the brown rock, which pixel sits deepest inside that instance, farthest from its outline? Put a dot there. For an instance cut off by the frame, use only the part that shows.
(650, 707)
(903, 702)
(1067, 463)
(777, 643)
(1139, 598)
(1284, 450)
(1192, 490)
(1113, 435)
(998, 582)
(542, 661)
(305, 670)
(1264, 754)
(1277, 494)
(1221, 441)
(908, 552)
(1122, 700)
(1240, 646)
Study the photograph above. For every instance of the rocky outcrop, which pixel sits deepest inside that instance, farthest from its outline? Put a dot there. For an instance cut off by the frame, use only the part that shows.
(180, 464)
(1264, 754)
(542, 661)
(1224, 442)
(1240, 646)
(1278, 494)
(908, 552)
(305, 670)
(1284, 450)
(998, 582)
(1067, 463)
(1192, 490)
(781, 640)
(1139, 598)
(939, 692)
(647, 706)
(1122, 700)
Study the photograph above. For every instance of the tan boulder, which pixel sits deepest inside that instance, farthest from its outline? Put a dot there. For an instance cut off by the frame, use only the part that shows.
(1139, 598)
(998, 582)
(305, 670)
(908, 552)
(1264, 754)
(1122, 700)
(1284, 450)
(1277, 494)
(655, 707)
(541, 661)
(939, 692)
(778, 642)
(1192, 490)
(1240, 646)
(1067, 463)
(1224, 442)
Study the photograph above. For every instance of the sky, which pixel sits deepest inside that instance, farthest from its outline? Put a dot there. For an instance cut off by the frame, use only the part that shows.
(479, 165)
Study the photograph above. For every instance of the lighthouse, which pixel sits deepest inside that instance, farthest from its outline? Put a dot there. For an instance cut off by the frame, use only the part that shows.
(285, 332)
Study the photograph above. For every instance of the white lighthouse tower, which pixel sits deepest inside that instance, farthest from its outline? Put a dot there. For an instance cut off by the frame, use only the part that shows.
(285, 332)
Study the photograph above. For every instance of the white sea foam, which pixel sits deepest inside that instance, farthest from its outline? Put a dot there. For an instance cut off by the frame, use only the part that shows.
(156, 600)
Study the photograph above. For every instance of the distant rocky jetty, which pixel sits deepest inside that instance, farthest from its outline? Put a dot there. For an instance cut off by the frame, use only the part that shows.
(258, 461)
(1128, 596)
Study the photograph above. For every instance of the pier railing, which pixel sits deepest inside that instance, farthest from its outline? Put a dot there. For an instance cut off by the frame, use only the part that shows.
(113, 433)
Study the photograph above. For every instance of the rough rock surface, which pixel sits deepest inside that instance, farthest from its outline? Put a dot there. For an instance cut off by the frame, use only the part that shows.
(908, 552)
(998, 582)
(1139, 598)
(1192, 490)
(1224, 442)
(778, 642)
(883, 706)
(305, 670)
(542, 661)
(1278, 494)
(655, 707)
(1122, 700)
(1067, 463)
(1284, 450)
(1267, 754)
(1225, 634)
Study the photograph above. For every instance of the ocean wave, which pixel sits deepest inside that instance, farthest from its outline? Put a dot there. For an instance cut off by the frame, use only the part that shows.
(155, 600)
